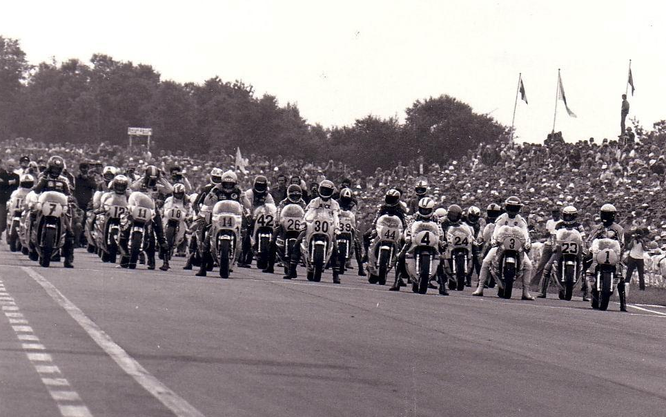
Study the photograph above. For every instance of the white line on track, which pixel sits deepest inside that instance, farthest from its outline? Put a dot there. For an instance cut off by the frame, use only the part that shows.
(645, 309)
(178, 405)
(69, 402)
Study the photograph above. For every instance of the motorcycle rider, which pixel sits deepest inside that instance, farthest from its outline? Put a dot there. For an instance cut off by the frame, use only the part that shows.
(227, 189)
(53, 180)
(154, 185)
(512, 206)
(108, 174)
(323, 201)
(473, 220)
(454, 218)
(421, 189)
(294, 196)
(392, 206)
(608, 229)
(258, 196)
(348, 203)
(547, 247)
(424, 213)
(215, 179)
(568, 221)
(178, 198)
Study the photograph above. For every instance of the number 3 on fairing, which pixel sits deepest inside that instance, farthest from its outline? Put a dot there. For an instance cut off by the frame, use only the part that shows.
(426, 239)
(512, 243)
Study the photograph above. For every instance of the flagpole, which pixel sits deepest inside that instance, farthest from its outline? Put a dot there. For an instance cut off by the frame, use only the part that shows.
(626, 88)
(557, 93)
(515, 104)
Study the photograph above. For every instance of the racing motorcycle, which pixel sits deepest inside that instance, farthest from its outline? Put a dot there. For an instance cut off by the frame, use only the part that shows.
(510, 264)
(422, 259)
(569, 268)
(291, 220)
(458, 255)
(345, 238)
(317, 245)
(108, 223)
(91, 229)
(48, 233)
(140, 212)
(174, 216)
(264, 218)
(384, 248)
(606, 254)
(25, 230)
(14, 211)
(225, 234)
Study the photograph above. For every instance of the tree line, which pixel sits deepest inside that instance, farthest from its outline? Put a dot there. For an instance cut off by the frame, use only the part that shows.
(94, 102)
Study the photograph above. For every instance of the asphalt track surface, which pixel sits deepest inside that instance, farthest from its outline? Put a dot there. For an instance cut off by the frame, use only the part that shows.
(102, 341)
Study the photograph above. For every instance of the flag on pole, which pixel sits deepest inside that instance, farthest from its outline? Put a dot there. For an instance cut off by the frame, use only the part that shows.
(523, 96)
(241, 162)
(560, 91)
(631, 82)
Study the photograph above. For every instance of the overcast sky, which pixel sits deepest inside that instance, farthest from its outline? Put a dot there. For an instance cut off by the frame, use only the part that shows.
(342, 60)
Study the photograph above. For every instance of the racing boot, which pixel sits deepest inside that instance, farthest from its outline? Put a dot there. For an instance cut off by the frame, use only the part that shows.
(479, 289)
(361, 264)
(526, 289)
(398, 281)
(336, 276)
(190, 259)
(150, 261)
(292, 271)
(203, 268)
(543, 286)
(165, 263)
(621, 291)
(586, 289)
(68, 250)
(442, 286)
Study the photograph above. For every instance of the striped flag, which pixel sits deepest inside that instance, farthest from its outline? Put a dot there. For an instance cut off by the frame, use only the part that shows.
(523, 96)
(631, 82)
(561, 95)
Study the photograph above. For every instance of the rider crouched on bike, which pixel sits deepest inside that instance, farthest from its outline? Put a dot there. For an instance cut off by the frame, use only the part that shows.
(227, 189)
(512, 207)
(258, 196)
(392, 207)
(53, 180)
(454, 218)
(608, 229)
(425, 213)
(178, 198)
(472, 218)
(155, 186)
(323, 201)
(348, 203)
(215, 179)
(294, 196)
(568, 221)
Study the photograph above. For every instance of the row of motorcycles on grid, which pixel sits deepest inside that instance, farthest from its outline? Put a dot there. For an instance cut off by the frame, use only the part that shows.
(36, 227)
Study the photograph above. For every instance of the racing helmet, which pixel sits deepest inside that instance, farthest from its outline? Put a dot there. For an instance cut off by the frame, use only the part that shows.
(512, 205)
(441, 213)
(229, 180)
(179, 191)
(493, 211)
(260, 184)
(392, 197)
(569, 214)
(473, 214)
(426, 207)
(151, 174)
(26, 181)
(119, 184)
(216, 175)
(109, 173)
(294, 193)
(607, 213)
(55, 166)
(326, 189)
(421, 188)
(454, 213)
(346, 196)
